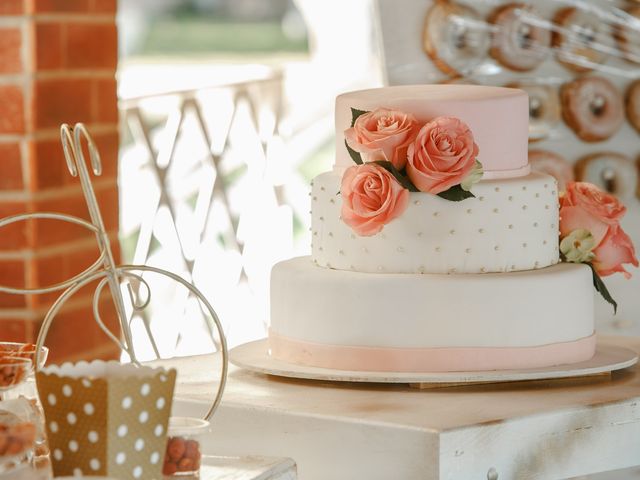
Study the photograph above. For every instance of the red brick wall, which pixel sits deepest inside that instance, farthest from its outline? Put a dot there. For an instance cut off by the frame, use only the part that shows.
(57, 65)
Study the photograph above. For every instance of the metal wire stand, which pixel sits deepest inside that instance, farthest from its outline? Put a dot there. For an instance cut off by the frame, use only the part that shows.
(104, 269)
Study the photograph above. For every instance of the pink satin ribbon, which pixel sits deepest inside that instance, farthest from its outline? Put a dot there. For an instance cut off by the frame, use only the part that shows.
(457, 359)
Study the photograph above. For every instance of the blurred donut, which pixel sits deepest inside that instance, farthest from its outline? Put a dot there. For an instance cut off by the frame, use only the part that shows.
(454, 38)
(575, 38)
(592, 107)
(544, 108)
(519, 41)
(611, 171)
(552, 164)
(628, 36)
(632, 102)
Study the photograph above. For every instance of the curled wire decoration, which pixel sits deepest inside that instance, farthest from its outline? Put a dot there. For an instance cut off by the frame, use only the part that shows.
(71, 138)
(124, 270)
(105, 271)
(66, 283)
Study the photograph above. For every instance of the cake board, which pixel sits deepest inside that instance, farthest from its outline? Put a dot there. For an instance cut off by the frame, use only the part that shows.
(254, 356)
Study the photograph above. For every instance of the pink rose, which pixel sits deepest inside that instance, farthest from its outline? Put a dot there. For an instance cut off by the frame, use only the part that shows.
(371, 198)
(442, 155)
(382, 134)
(584, 205)
(615, 249)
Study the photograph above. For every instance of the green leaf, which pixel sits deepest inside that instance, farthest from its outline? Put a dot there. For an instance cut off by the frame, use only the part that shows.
(602, 288)
(355, 156)
(456, 194)
(355, 113)
(404, 181)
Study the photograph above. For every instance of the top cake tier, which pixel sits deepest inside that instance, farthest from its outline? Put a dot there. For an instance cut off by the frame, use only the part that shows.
(498, 118)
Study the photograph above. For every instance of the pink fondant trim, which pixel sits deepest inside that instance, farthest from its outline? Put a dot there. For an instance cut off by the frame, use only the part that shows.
(457, 359)
(500, 174)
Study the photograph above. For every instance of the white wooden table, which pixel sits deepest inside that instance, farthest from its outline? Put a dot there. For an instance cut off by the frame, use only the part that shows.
(541, 430)
(225, 468)
(247, 468)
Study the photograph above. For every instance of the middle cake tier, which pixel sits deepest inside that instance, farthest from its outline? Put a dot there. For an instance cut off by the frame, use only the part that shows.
(510, 225)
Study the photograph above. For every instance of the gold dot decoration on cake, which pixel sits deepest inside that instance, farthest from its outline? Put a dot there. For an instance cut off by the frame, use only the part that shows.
(452, 232)
(483, 270)
(417, 202)
(510, 198)
(364, 250)
(495, 210)
(467, 250)
(496, 248)
(314, 198)
(321, 218)
(331, 234)
(400, 249)
(481, 230)
(524, 245)
(435, 214)
(537, 195)
(437, 249)
(469, 211)
(322, 189)
(510, 227)
(524, 187)
(524, 207)
(332, 200)
(546, 185)
(481, 198)
(353, 237)
(497, 189)
(535, 224)
(341, 252)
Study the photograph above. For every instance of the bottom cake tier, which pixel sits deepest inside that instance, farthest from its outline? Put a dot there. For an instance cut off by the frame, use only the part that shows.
(431, 322)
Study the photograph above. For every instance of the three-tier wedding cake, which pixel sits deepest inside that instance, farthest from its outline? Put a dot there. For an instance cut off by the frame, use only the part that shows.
(434, 248)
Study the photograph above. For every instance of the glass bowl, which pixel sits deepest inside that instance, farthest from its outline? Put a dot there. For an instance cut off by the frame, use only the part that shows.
(23, 350)
(13, 371)
(17, 440)
(183, 454)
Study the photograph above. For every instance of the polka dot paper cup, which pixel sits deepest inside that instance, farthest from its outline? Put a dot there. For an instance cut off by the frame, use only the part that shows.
(106, 419)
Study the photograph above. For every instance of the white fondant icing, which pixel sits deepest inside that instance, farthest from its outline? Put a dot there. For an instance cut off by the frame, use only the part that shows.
(518, 309)
(499, 230)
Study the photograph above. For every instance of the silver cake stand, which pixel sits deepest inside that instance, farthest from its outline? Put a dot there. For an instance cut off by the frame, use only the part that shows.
(255, 356)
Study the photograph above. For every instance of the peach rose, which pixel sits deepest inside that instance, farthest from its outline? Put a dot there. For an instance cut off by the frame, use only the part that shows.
(584, 205)
(442, 155)
(371, 198)
(615, 249)
(382, 134)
